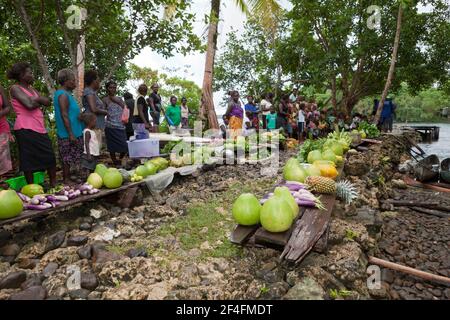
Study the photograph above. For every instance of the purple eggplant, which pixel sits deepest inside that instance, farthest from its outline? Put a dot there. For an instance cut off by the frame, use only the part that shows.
(294, 186)
(23, 197)
(43, 206)
(71, 196)
(53, 198)
(85, 187)
(54, 203)
(305, 203)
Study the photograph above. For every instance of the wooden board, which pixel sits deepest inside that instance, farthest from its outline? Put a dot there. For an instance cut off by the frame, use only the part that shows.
(27, 214)
(241, 234)
(371, 141)
(279, 239)
(308, 230)
(411, 182)
(321, 245)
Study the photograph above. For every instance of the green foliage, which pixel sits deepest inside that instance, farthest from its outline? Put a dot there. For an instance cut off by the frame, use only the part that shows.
(424, 106)
(342, 293)
(308, 146)
(115, 32)
(351, 235)
(250, 62)
(169, 85)
(370, 129)
(322, 41)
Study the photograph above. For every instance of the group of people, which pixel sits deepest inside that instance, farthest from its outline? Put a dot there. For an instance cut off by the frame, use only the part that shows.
(294, 114)
(81, 130)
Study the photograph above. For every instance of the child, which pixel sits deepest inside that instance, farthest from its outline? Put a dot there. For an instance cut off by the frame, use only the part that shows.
(271, 119)
(301, 121)
(91, 144)
(323, 126)
(253, 120)
(184, 113)
(224, 126)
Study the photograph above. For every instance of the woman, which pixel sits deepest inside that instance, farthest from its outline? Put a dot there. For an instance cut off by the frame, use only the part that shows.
(140, 112)
(155, 103)
(265, 106)
(92, 103)
(235, 114)
(35, 146)
(69, 129)
(173, 112)
(5, 134)
(129, 101)
(283, 114)
(184, 113)
(116, 137)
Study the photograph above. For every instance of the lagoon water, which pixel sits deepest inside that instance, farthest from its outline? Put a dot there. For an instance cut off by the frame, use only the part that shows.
(441, 147)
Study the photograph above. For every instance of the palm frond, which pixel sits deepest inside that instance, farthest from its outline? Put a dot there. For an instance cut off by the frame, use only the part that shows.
(267, 13)
(242, 4)
(169, 11)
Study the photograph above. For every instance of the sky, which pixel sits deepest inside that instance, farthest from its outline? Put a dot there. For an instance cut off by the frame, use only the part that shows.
(192, 66)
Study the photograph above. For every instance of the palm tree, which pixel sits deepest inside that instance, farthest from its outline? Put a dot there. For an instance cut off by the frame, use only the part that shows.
(267, 12)
(392, 66)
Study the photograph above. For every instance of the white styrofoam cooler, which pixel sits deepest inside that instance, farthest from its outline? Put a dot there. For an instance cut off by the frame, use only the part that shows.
(145, 148)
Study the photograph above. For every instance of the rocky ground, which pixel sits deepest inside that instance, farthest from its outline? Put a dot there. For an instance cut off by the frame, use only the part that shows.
(174, 245)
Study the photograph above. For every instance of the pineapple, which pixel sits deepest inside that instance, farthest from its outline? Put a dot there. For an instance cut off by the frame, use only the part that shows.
(343, 189)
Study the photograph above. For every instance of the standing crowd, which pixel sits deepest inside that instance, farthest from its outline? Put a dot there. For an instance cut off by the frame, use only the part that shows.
(296, 116)
(80, 130)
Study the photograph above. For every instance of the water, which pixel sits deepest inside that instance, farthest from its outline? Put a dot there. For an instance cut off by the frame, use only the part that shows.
(441, 148)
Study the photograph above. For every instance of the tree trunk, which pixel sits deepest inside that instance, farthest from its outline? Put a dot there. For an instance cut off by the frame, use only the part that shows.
(81, 49)
(43, 64)
(392, 67)
(334, 93)
(208, 100)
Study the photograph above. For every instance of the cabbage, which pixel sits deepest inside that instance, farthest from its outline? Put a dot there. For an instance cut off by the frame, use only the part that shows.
(276, 215)
(284, 193)
(246, 209)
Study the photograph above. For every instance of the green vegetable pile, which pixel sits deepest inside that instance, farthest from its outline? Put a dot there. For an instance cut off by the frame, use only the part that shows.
(369, 129)
(308, 146)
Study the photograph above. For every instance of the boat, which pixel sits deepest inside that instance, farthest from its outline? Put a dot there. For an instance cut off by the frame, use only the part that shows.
(445, 170)
(427, 169)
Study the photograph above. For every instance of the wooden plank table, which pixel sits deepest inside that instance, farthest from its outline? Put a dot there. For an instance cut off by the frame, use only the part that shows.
(308, 230)
(66, 205)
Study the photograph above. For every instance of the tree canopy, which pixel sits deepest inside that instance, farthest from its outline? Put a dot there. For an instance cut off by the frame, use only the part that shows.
(169, 85)
(330, 46)
(115, 32)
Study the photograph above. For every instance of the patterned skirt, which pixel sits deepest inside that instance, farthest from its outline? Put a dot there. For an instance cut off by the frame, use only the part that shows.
(70, 152)
(235, 126)
(5, 157)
